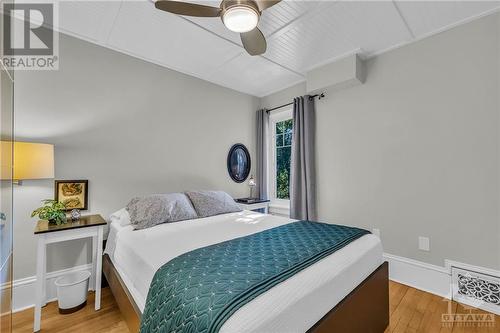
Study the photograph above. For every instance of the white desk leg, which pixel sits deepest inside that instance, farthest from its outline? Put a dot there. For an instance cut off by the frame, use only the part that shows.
(98, 269)
(266, 209)
(44, 274)
(94, 263)
(40, 277)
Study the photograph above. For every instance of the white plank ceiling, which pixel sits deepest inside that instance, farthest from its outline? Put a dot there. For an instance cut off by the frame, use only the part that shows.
(301, 35)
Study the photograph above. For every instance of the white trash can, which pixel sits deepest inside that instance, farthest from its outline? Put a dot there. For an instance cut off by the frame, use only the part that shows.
(72, 291)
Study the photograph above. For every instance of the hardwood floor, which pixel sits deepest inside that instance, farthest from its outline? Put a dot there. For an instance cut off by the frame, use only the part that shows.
(411, 311)
(108, 319)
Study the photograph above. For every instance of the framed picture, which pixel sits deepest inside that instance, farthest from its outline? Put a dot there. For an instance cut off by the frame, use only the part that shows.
(72, 193)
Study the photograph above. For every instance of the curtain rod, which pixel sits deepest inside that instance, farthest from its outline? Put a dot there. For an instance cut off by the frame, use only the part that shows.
(320, 96)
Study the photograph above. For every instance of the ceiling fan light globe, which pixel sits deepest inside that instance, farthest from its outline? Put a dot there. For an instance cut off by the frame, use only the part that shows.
(240, 19)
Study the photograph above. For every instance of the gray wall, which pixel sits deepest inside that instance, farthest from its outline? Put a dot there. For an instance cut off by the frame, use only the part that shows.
(415, 150)
(130, 128)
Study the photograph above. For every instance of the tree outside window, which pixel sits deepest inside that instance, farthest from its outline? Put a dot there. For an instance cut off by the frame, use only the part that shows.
(283, 155)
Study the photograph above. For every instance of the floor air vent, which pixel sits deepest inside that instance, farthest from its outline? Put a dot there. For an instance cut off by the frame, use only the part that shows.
(476, 289)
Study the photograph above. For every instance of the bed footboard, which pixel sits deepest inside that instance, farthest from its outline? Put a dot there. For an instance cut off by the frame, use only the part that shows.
(364, 310)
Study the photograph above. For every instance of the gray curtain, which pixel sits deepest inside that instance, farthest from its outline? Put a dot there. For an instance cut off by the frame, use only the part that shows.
(303, 172)
(261, 152)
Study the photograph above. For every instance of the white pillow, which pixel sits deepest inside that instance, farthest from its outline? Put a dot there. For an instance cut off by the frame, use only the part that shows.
(122, 216)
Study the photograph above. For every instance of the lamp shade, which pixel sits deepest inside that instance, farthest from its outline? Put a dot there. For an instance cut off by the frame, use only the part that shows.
(33, 160)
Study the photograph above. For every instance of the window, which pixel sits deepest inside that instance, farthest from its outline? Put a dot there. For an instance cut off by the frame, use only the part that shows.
(280, 148)
(283, 130)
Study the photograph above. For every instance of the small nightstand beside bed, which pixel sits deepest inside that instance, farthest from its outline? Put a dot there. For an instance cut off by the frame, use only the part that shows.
(343, 291)
(90, 226)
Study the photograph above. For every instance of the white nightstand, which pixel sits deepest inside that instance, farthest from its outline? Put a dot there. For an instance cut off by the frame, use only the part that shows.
(90, 226)
(253, 204)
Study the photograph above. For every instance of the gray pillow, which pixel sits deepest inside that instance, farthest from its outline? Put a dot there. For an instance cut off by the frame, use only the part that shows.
(151, 210)
(209, 203)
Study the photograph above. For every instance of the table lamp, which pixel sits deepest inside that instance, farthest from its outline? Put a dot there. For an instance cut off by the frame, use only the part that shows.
(252, 184)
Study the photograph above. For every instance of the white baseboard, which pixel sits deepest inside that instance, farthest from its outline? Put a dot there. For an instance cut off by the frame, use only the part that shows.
(434, 279)
(23, 290)
(430, 278)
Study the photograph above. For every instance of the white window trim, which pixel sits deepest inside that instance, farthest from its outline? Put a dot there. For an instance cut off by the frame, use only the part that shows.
(276, 206)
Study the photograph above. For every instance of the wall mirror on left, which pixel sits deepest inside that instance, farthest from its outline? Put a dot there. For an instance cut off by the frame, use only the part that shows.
(6, 201)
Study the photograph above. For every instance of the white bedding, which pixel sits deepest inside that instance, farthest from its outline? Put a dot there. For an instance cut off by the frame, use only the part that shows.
(292, 306)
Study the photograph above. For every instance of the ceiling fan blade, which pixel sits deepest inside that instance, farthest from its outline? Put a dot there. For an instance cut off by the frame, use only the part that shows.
(254, 42)
(186, 8)
(264, 4)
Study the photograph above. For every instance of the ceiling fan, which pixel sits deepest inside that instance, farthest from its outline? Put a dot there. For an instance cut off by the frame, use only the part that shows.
(239, 16)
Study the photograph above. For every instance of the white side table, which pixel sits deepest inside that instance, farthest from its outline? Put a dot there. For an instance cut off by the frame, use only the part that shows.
(90, 226)
(253, 204)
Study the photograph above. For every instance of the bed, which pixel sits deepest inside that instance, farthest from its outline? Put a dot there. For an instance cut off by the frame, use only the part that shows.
(346, 291)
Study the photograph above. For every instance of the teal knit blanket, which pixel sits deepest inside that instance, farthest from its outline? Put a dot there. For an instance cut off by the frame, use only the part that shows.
(199, 290)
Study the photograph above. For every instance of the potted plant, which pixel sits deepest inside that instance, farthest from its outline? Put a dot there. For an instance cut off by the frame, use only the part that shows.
(52, 210)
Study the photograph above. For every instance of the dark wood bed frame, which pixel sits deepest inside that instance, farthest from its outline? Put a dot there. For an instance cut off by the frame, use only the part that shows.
(364, 310)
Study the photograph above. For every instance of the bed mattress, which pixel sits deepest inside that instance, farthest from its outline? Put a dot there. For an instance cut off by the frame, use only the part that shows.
(292, 306)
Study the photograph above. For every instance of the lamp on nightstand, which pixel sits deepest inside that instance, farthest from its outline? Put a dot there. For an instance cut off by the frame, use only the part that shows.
(252, 184)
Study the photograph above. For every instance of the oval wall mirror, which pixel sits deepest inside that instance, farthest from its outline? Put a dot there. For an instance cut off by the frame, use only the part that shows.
(238, 163)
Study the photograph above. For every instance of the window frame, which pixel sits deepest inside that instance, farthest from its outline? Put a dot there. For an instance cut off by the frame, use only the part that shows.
(278, 206)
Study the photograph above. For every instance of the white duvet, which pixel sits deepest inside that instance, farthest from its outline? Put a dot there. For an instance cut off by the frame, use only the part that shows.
(292, 306)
